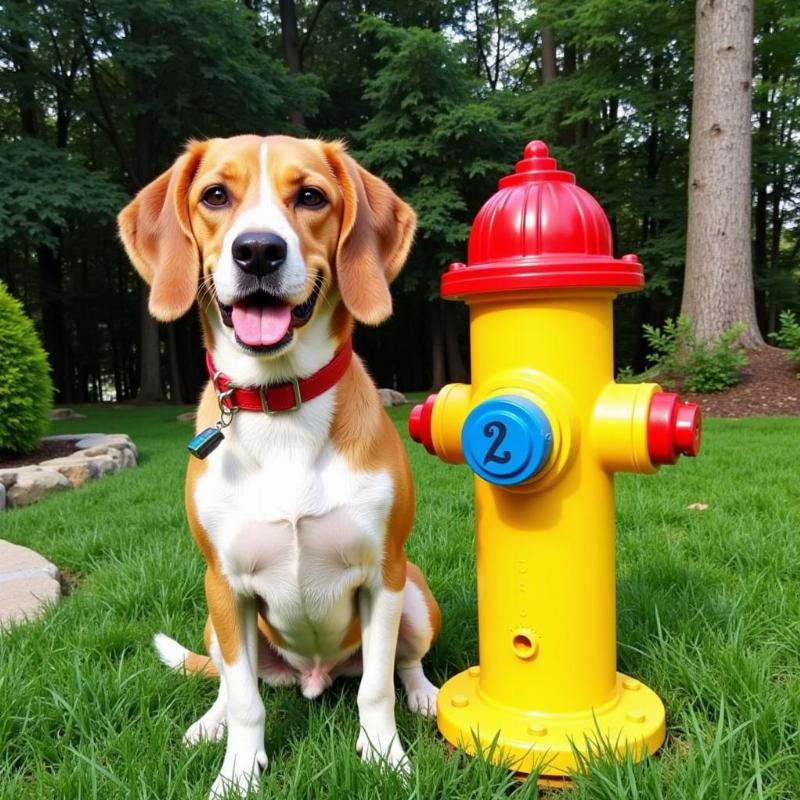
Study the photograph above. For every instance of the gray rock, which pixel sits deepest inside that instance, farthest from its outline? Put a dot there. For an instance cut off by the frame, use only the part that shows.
(114, 453)
(2, 497)
(23, 599)
(8, 476)
(33, 484)
(129, 460)
(119, 441)
(65, 413)
(104, 465)
(391, 397)
(77, 471)
(15, 559)
(70, 437)
(187, 416)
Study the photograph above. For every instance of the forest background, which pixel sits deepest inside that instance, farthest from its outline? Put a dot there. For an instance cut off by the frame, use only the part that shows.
(97, 97)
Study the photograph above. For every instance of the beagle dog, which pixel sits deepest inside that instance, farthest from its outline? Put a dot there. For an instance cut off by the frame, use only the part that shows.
(302, 508)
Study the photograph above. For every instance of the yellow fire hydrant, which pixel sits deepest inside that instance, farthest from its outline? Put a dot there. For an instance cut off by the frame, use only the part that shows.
(544, 427)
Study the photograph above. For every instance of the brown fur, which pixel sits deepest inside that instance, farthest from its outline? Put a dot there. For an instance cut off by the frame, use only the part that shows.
(156, 230)
(376, 233)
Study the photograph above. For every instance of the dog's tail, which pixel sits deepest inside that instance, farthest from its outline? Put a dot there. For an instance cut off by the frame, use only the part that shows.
(178, 658)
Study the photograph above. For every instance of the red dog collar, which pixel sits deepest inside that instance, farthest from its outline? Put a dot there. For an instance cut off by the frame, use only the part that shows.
(280, 396)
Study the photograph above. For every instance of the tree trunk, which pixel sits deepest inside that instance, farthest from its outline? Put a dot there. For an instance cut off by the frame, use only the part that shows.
(437, 351)
(760, 223)
(548, 55)
(150, 383)
(54, 334)
(568, 135)
(456, 370)
(175, 394)
(718, 286)
(291, 48)
(146, 133)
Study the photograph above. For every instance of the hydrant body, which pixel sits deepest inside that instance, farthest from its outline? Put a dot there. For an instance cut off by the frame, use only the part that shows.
(544, 428)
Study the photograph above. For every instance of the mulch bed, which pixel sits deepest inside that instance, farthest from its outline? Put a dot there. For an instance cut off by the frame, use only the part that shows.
(46, 450)
(769, 388)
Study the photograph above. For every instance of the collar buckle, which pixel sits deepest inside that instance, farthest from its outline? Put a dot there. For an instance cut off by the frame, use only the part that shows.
(298, 400)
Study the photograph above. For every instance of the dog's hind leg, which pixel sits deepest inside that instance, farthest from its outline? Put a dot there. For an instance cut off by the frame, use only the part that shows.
(419, 627)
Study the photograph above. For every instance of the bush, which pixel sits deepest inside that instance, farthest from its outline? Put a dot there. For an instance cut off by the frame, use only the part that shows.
(788, 336)
(679, 360)
(627, 375)
(26, 392)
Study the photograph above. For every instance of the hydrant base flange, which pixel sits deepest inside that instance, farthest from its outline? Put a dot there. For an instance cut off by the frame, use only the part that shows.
(527, 741)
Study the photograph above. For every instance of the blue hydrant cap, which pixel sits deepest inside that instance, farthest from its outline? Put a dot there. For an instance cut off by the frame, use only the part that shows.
(506, 440)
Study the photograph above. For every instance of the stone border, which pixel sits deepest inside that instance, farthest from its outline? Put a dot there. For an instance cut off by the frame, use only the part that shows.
(28, 584)
(97, 454)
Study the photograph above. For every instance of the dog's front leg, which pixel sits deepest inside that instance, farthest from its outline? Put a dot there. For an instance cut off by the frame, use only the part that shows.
(236, 627)
(380, 609)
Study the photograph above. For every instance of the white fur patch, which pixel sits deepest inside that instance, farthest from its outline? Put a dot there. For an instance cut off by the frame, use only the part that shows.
(268, 216)
(294, 524)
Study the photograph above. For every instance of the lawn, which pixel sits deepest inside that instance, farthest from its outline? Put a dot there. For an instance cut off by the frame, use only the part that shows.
(709, 616)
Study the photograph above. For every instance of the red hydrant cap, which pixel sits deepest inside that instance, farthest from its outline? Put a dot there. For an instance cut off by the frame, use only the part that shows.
(673, 429)
(540, 231)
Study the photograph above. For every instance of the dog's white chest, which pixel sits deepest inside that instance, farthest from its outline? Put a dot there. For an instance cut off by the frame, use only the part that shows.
(294, 524)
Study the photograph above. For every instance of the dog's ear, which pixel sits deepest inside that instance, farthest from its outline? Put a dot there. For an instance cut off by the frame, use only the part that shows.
(156, 230)
(376, 233)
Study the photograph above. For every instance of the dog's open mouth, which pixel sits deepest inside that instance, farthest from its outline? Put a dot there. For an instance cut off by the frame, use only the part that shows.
(264, 322)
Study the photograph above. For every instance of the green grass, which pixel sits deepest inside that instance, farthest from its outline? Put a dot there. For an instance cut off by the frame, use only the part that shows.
(709, 616)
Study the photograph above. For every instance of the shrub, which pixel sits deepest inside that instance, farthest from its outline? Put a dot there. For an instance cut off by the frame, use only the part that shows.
(679, 359)
(26, 392)
(788, 336)
(627, 375)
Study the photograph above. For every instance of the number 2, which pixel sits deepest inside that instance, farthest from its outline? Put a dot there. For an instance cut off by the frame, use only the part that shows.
(498, 430)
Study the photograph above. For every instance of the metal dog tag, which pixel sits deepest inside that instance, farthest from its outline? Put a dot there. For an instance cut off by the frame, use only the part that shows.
(205, 442)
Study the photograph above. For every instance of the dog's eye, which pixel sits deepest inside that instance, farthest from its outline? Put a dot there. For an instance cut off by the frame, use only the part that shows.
(310, 197)
(215, 196)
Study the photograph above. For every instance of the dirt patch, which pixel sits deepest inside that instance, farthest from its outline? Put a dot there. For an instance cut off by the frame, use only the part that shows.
(769, 388)
(46, 450)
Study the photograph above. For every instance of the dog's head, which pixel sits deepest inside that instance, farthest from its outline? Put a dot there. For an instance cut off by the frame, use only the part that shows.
(275, 236)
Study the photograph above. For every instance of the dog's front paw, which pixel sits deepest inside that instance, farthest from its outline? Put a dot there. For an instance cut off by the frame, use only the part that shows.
(382, 745)
(239, 775)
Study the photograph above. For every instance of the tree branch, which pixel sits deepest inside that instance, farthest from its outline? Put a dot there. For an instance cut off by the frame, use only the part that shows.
(108, 127)
(311, 25)
(479, 43)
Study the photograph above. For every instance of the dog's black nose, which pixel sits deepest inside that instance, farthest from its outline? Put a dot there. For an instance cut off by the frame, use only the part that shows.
(259, 253)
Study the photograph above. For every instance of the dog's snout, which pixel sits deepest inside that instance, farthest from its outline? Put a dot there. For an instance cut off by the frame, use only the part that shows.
(259, 253)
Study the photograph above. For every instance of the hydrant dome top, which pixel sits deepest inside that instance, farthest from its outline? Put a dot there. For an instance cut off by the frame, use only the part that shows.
(540, 231)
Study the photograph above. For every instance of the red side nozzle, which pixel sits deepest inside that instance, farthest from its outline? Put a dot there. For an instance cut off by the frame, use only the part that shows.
(419, 424)
(674, 428)
(688, 429)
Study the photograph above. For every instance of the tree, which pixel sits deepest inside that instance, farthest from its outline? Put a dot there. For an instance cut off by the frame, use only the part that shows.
(442, 146)
(718, 286)
(438, 97)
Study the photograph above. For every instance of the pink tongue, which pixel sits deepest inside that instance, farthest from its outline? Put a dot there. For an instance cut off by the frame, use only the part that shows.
(261, 326)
